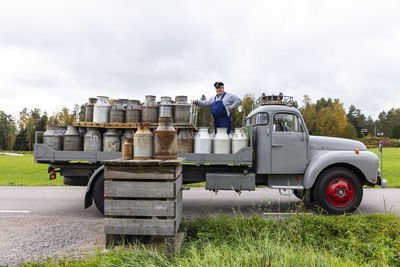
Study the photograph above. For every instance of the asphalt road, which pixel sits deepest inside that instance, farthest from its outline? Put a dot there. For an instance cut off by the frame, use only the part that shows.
(38, 222)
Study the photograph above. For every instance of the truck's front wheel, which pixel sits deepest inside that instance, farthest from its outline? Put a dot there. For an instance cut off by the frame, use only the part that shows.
(338, 190)
(98, 193)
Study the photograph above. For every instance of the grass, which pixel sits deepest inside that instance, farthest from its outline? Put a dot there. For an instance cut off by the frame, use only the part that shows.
(360, 240)
(22, 170)
(391, 165)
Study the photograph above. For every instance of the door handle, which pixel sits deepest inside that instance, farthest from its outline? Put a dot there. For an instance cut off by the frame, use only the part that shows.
(276, 145)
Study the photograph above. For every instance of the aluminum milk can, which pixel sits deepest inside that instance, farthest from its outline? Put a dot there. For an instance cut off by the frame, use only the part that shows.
(149, 110)
(124, 102)
(53, 137)
(101, 111)
(111, 141)
(93, 140)
(89, 110)
(181, 110)
(143, 143)
(165, 140)
(117, 112)
(185, 141)
(72, 139)
(165, 107)
(222, 142)
(202, 141)
(239, 140)
(133, 112)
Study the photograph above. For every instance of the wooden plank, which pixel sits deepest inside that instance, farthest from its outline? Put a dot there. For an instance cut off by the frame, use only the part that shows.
(178, 184)
(88, 124)
(179, 219)
(173, 162)
(143, 189)
(139, 227)
(142, 173)
(116, 207)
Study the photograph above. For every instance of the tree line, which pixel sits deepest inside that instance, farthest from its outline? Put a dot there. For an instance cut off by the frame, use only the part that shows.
(325, 117)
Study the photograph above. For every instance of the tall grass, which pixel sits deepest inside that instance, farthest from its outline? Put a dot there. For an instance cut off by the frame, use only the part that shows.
(360, 240)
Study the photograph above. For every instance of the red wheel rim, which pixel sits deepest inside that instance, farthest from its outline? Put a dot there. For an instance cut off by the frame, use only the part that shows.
(340, 192)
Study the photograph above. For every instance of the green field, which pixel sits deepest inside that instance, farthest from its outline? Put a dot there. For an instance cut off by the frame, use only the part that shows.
(23, 171)
(360, 240)
(391, 165)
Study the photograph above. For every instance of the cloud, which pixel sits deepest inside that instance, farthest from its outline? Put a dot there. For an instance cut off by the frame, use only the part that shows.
(58, 53)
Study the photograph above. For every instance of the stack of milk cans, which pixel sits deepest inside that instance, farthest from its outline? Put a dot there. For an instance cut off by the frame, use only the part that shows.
(163, 143)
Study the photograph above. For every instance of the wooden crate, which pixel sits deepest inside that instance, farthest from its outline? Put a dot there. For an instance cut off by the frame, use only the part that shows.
(143, 198)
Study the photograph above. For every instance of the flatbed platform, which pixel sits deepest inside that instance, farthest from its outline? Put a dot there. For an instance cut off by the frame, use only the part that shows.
(45, 154)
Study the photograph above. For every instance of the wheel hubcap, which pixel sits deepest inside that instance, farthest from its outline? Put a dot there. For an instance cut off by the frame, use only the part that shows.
(340, 192)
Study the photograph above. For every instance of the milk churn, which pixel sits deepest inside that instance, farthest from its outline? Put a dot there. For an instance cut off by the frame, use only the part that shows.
(149, 110)
(143, 143)
(72, 139)
(202, 141)
(181, 110)
(101, 111)
(165, 107)
(93, 140)
(127, 148)
(133, 112)
(53, 137)
(117, 113)
(89, 110)
(185, 141)
(127, 133)
(239, 140)
(165, 139)
(222, 142)
(111, 141)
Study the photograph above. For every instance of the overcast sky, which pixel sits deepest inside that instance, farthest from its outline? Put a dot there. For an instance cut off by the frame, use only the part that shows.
(58, 53)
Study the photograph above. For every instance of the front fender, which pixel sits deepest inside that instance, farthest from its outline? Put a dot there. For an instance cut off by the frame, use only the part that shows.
(89, 188)
(366, 161)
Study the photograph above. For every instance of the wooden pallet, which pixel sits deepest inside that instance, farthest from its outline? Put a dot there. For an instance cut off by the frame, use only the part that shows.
(143, 198)
(127, 125)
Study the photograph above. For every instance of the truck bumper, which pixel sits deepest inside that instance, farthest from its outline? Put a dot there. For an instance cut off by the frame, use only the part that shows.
(382, 182)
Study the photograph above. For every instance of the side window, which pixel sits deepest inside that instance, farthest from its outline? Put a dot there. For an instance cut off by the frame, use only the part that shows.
(287, 122)
(262, 118)
(253, 120)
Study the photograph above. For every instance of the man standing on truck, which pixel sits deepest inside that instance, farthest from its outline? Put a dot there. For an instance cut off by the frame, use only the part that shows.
(222, 106)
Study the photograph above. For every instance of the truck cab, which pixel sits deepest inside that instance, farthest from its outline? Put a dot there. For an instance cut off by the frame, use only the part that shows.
(329, 171)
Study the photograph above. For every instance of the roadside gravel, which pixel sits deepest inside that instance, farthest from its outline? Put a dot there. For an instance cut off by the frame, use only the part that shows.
(32, 238)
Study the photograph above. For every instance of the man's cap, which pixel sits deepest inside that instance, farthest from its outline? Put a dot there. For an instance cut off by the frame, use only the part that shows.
(218, 84)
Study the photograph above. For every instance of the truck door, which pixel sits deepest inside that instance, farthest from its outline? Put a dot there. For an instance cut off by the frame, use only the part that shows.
(289, 144)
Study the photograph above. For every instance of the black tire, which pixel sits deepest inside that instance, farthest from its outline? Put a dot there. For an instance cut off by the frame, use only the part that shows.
(338, 191)
(98, 193)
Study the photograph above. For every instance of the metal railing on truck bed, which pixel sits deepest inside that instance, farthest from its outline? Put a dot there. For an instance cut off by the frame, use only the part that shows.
(45, 154)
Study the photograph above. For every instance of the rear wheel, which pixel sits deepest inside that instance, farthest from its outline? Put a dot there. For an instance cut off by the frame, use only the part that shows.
(338, 190)
(98, 193)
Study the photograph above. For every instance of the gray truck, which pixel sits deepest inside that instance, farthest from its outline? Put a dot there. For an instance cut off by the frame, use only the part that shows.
(327, 172)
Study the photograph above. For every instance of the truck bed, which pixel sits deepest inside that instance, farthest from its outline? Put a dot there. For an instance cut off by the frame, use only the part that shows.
(44, 154)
